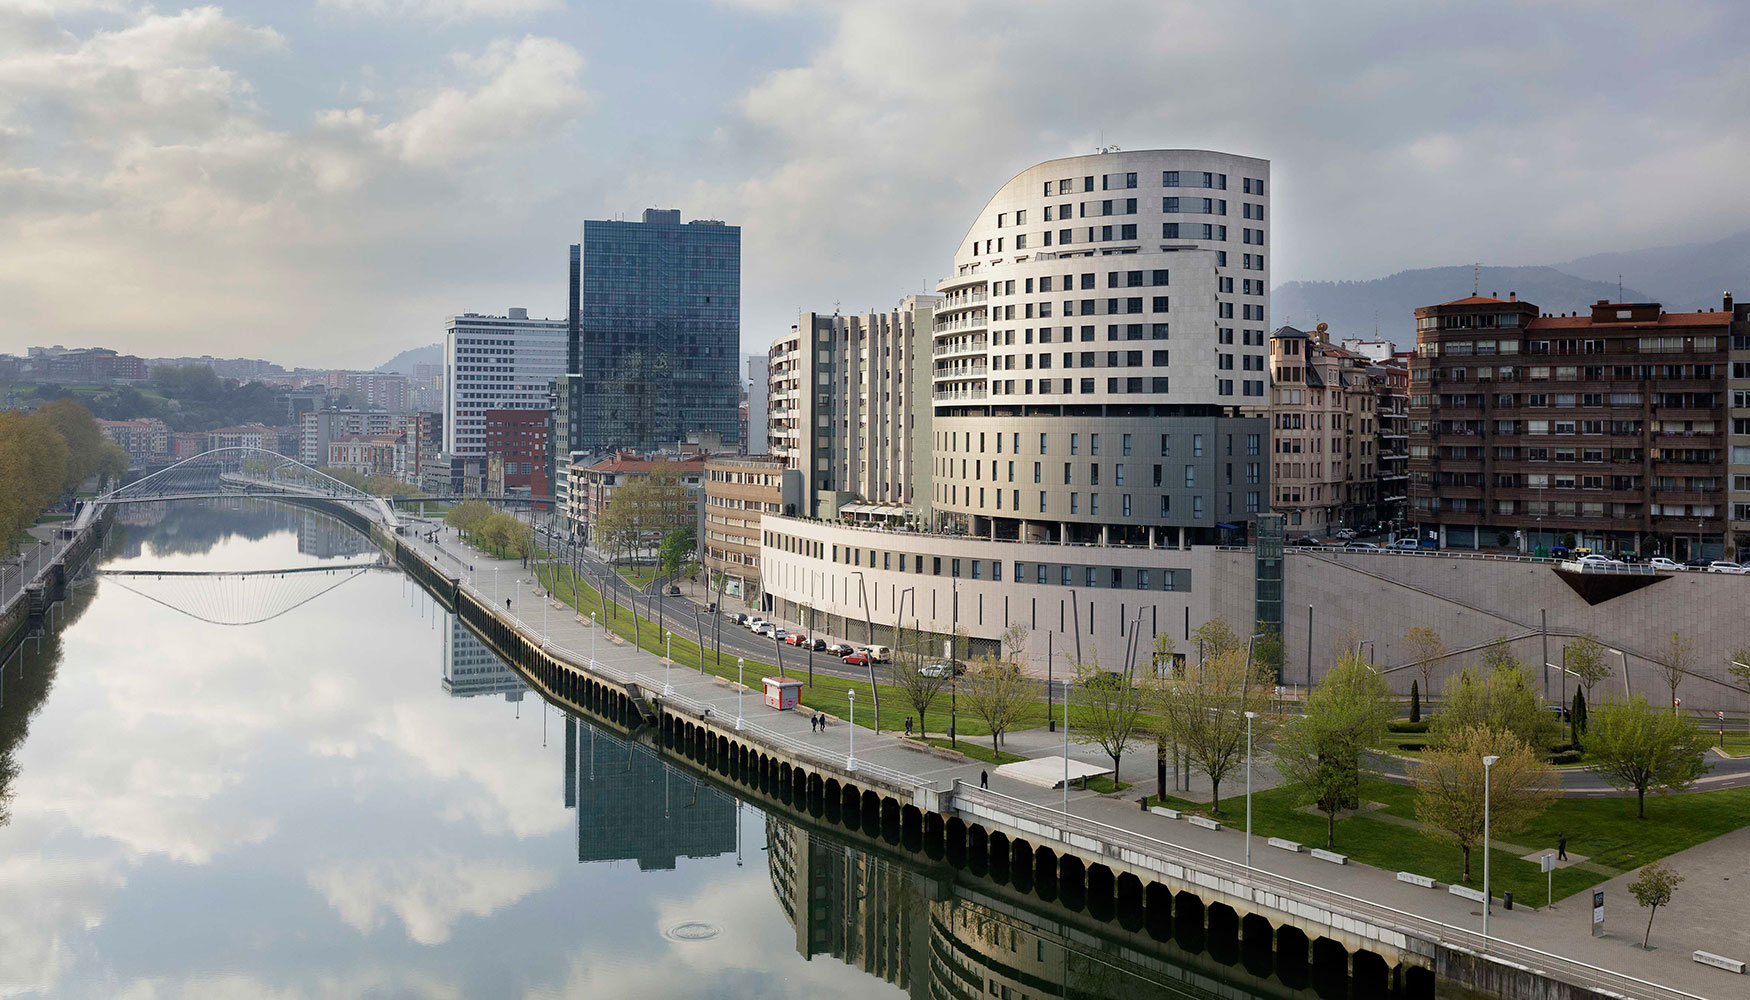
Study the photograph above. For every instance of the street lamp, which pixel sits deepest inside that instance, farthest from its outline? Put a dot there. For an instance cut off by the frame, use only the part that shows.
(1370, 650)
(1488, 762)
(667, 663)
(869, 623)
(1249, 717)
(740, 689)
(1625, 688)
(851, 757)
(1066, 686)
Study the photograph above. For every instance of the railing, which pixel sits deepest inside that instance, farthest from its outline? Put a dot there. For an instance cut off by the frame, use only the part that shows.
(1252, 880)
(797, 748)
(960, 347)
(958, 395)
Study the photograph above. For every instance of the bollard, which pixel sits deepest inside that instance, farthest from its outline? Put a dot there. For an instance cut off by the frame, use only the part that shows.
(1506, 900)
(1143, 802)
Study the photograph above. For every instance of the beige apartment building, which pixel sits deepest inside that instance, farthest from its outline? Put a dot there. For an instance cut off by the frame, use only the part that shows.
(738, 491)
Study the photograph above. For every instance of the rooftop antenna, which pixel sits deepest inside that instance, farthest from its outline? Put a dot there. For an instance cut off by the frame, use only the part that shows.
(1476, 278)
(1619, 286)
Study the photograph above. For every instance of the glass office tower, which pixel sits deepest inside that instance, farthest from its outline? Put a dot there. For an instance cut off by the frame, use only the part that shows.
(656, 313)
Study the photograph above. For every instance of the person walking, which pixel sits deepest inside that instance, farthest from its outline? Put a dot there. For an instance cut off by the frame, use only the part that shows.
(1562, 846)
(984, 779)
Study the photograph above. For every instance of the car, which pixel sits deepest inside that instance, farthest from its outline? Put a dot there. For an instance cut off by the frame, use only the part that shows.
(796, 639)
(818, 645)
(1699, 563)
(753, 624)
(1360, 547)
(941, 670)
(1406, 545)
(1345, 533)
(1726, 566)
(880, 654)
(1559, 711)
(673, 590)
(839, 649)
(1559, 552)
(738, 618)
(711, 608)
(777, 633)
(764, 628)
(1665, 565)
(1304, 540)
(856, 660)
(1593, 560)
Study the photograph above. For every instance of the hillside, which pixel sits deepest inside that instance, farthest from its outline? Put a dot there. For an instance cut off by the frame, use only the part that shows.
(1684, 278)
(1355, 308)
(430, 354)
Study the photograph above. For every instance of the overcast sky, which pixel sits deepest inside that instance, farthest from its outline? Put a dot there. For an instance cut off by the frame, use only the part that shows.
(321, 183)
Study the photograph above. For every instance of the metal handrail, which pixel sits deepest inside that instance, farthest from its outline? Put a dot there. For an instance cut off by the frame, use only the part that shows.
(1387, 917)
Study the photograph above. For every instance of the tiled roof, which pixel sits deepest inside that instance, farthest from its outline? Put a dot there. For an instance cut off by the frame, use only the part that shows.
(1719, 319)
(1474, 300)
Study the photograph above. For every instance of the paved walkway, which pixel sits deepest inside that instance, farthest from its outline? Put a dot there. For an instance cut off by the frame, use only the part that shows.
(1695, 921)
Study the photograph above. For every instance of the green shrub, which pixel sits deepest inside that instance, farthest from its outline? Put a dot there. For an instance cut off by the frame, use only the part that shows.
(1400, 726)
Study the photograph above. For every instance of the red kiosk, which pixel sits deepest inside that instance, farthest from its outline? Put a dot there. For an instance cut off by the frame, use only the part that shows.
(782, 692)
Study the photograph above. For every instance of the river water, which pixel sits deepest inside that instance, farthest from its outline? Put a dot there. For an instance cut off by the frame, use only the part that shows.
(315, 784)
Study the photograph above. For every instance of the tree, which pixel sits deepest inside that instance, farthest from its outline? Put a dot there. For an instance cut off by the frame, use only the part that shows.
(33, 467)
(85, 451)
(1654, 888)
(1415, 702)
(1740, 666)
(1578, 715)
(469, 516)
(997, 693)
(1112, 709)
(1426, 650)
(1206, 715)
(1161, 659)
(1449, 786)
(1500, 699)
(1320, 751)
(1268, 649)
(678, 548)
(920, 689)
(1637, 746)
(1584, 658)
(1674, 663)
(1214, 637)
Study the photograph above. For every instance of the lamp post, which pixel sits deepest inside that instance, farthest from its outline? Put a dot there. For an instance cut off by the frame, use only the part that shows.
(592, 632)
(667, 662)
(851, 757)
(1066, 686)
(1488, 763)
(740, 689)
(869, 623)
(1369, 644)
(1625, 688)
(1249, 717)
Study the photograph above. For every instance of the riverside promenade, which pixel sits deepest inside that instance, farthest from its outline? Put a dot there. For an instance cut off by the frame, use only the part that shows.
(1553, 943)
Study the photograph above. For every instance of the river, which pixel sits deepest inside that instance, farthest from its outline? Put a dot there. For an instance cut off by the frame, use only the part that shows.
(316, 784)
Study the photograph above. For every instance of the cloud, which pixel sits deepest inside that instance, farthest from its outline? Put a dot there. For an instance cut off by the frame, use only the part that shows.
(525, 88)
(428, 895)
(444, 10)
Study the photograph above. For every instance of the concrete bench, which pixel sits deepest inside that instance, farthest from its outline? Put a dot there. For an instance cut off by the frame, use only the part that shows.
(1466, 892)
(1414, 879)
(1286, 845)
(1164, 811)
(1332, 856)
(1204, 821)
(1720, 962)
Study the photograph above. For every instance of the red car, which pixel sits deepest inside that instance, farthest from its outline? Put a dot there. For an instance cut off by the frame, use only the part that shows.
(857, 660)
(796, 639)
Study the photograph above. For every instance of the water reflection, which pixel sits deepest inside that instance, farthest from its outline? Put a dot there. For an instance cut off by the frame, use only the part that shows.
(292, 809)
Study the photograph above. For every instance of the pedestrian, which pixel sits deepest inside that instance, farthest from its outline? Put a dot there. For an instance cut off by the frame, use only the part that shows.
(507, 604)
(1561, 846)
(814, 723)
(984, 779)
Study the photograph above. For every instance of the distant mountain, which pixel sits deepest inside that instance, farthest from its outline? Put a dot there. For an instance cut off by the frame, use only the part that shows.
(1684, 278)
(431, 354)
(1356, 308)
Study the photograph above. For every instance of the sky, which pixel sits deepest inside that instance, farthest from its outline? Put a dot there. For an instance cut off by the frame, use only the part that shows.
(322, 183)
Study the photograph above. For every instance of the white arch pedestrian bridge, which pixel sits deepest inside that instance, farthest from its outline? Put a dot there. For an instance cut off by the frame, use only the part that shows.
(241, 471)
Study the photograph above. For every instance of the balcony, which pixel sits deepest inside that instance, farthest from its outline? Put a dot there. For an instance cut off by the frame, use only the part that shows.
(958, 395)
(961, 372)
(968, 321)
(976, 345)
(958, 302)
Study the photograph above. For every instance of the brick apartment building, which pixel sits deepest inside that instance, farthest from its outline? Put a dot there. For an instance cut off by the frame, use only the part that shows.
(515, 442)
(1608, 425)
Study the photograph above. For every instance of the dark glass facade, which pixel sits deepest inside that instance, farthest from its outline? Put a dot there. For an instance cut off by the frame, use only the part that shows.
(657, 307)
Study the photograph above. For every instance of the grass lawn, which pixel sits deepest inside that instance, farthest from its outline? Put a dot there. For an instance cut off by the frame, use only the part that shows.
(1604, 830)
(638, 576)
(975, 749)
(1106, 786)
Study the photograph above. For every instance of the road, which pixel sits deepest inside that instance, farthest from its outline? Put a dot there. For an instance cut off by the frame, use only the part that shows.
(17, 572)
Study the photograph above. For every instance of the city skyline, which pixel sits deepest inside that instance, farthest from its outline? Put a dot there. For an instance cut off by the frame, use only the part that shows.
(332, 181)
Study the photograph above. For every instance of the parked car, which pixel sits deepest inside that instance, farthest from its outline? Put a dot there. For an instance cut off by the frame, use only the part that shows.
(1593, 560)
(711, 608)
(777, 633)
(738, 618)
(765, 628)
(1698, 563)
(1726, 566)
(1559, 552)
(1406, 545)
(943, 670)
(880, 654)
(1360, 547)
(796, 639)
(839, 649)
(818, 645)
(857, 660)
(753, 624)
(1665, 565)
(674, 590)
(1345, 533)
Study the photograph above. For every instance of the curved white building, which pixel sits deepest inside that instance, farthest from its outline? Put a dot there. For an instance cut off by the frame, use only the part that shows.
(1104, 325)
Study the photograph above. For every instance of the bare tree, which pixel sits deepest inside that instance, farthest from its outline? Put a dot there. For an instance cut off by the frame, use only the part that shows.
(1674, 663)
(998, 694)
(1206, 716)
(917, 676)
(1426, 650)
(1112, 709)
(1450, 786)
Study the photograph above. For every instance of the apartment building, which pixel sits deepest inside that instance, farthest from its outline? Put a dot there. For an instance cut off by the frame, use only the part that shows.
(1606, 427)
(146, 440)
(1738, 443)
(738, 492)
(496, 363)
(369, 454)
(843, 407)
(593, 485)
